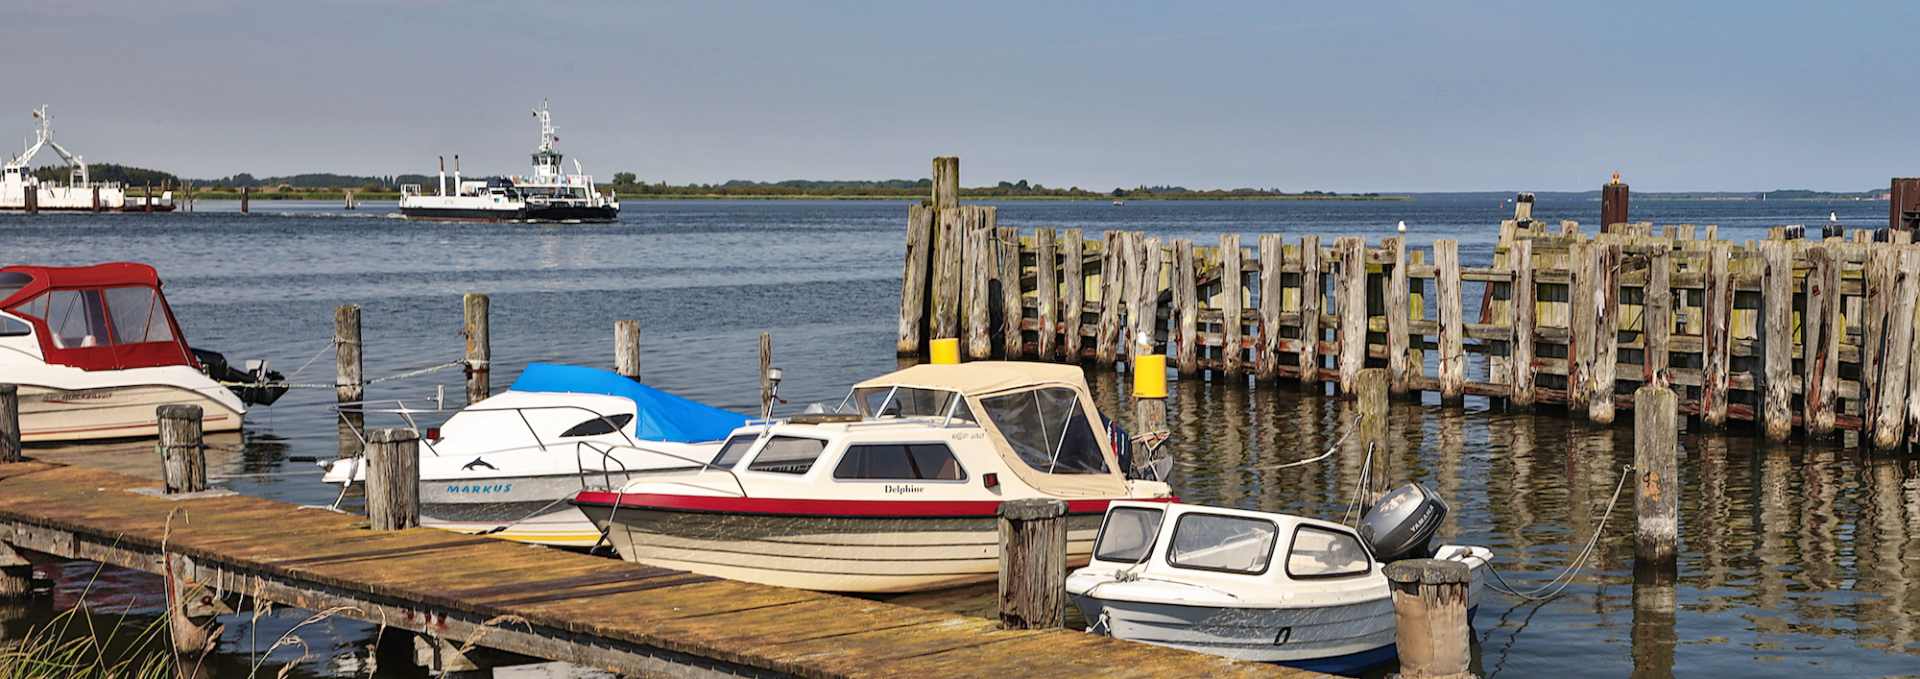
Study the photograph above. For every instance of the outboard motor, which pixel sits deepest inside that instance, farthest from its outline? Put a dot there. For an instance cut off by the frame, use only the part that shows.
(255, 386)
(1403, 524)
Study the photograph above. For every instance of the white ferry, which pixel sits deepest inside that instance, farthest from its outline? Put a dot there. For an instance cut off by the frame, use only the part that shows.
(550, 194)
(79, 194)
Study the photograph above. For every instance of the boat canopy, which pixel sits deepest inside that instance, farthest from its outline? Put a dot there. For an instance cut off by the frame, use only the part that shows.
(101, 317)
(1039, 416)
(661, 416)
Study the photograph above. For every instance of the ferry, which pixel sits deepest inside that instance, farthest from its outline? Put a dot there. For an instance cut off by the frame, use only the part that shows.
(549, 194)
(79, 194)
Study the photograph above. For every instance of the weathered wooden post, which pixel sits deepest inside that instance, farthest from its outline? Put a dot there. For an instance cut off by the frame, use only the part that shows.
(1012, 307)
(1453, 349)
(16, 573)
(146, 199)
(191, 608)
(1525, 310)
(948, 241)
(1232, 306)
(1656, 503)
(768, 383)
(1821, 333)
(31, 195)
(1776, 339)
(913, 284)
(1310, 304)
(1890, 419)
(347, 385)
(1352, 304)
(1656, 319)
(1717, 356)
(1073, 294)
(479, 348)
(1613, 204)
(1046, 289)
(626, 349)
(1370, 390)
(1186, 307)
(1149, 396)
(946, 182)
(244, 191)
(96, 199)
(1113, 261)
(1606, 309)
(9, 423)
(979, 263)
(183, 459)
(1033, 563)
(1397, 317)
(1430, 618)
(393, 478)
(1266, 357)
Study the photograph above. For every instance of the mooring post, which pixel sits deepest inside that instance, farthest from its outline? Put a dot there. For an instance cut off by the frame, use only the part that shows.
(1430, 618)
(626, 349)
(182, 457)
(96, 199)
(1776, 339)
(1656, 503)
(1033, 563)
(1149, 396)
(767, 383)
(31, 195)
(1525, 309)
(1370, 391)
(9, 423)
(16, 573)
(913, 284)
(1352, 304)
(146, 199)
(1310, 298)
(191, 608)
(479, 348)
(393, 479)
(243, 199)
(347, 387)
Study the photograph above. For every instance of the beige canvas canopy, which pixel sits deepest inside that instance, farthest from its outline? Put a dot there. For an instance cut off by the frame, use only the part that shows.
(986, 379)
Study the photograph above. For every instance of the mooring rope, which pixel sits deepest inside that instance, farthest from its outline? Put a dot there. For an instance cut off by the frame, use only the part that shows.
(1560, 582)
(388, 378)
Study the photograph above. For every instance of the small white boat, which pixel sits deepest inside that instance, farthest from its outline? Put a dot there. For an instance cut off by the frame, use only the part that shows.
(1260, 586)
(79, 194)
(550, 194)
(898, 495)
(95, 350)
(507, 465)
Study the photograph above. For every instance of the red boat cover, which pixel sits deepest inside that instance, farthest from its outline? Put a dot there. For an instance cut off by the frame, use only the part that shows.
(101, 317)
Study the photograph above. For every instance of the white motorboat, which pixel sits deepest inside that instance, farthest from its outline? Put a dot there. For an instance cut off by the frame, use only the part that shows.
(79, 194)
(95, 350)
(549, 194)
(1261, 586)
(507, 465)
(899, 494)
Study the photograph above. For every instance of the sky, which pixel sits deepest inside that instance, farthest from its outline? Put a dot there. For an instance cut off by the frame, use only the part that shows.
(1347, 96)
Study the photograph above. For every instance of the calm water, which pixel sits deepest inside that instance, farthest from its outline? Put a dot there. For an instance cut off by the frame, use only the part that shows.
(1796, 561)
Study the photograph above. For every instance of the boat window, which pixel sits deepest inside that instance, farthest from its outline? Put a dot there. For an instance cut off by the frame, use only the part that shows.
(918, 461)
(1322, 553)
(11, 282)
(1216, 542)
(1048, 429)
(599, 425)
(734, 449)
(13, 327)
(787, 455)
(138, 316)
(906, 402)
(75, 318)
(1127, 534)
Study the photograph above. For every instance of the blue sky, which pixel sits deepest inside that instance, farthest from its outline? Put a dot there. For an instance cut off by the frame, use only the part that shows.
(1337, 96)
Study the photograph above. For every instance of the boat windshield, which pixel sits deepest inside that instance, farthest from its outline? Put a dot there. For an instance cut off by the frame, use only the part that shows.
(911, 402)
(1048, 429)
(1216, 542)
(11, 282)
(1128, 534)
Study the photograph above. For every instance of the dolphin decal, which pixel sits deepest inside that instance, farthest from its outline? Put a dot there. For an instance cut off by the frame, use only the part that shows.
(478, 462)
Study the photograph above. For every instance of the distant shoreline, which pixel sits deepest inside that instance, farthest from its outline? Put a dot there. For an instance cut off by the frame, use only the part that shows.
(395, 195)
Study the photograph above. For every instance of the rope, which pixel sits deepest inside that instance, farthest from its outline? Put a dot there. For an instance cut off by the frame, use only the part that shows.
(388, 378)
(1560, 582)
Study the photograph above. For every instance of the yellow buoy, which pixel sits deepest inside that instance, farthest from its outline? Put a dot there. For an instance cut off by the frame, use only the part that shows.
(946, 351)
(1150, 376)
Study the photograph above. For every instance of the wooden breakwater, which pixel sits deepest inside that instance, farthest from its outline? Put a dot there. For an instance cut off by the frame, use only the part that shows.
(1785, 332)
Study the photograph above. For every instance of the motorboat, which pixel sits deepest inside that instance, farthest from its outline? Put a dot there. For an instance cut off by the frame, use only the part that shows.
(507, 465)
(96, 349)
(894, 491)
(549, 194)
(78, 194)
(1261, 586)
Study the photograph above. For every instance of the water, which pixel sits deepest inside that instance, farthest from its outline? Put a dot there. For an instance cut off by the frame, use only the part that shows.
(1794, 561)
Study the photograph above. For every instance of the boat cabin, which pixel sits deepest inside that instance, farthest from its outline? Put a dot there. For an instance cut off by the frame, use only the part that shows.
(102, 317)
(1259, 555)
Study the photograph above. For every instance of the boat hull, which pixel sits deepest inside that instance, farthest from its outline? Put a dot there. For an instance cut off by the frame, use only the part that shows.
(48, 414)
(519, 214)
(827, 553)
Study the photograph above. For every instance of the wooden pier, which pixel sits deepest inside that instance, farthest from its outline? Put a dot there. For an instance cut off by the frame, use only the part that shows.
(593, 611)
(1787, 332)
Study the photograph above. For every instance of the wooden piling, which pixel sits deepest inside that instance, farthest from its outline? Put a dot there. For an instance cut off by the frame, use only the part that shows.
(1776, 339)
(393, 479)
(1073, 294)
(1580, 325)
(1911, 267)
(1656, 321)
(1370, 391)
(1113, 264)
(1606, 273)
(1431, 632)
(146, 200)
(1310, 303)
(1656, 504)
(245, 190)
(479, 348)
(1453, 353)
(948, 241)
(96, 199)
(1046, 288)
(1877, 290)
(767, 385)
(626, 349)
(1397, 316)
(1012, 306)
(1718, 335)
(1231, 305)
(348, 387)
(1821, 342)
(183, 460)
(1895, 360)
(913, 284)
(946, 183)
(16, 573)
(1033, 563)
(1186, 306)
(979, 263)
(1525, 310)
(1266, 357)
(9, 423)
(30, 195)
(1352, 293)
(1155, 258)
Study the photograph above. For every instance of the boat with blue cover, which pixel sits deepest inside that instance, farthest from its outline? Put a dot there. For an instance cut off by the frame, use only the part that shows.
(507, 465)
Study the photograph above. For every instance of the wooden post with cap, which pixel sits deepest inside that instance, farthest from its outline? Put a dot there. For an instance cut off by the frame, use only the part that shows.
(479, 348)
(1430, 618)
(9, 423)
(1033, 563)
(626, 349)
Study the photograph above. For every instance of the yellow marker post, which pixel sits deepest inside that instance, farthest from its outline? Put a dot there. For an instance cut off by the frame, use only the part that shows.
(946, 351)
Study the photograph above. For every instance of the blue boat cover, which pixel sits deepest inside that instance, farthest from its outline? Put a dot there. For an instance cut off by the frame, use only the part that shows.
(662, 416)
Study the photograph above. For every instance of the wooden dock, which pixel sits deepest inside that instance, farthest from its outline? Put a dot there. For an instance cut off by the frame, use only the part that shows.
(630, 619)
(1785, 332)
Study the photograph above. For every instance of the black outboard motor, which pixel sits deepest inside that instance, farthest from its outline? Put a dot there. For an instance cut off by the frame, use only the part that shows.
(262, 386)
(1403, 524)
